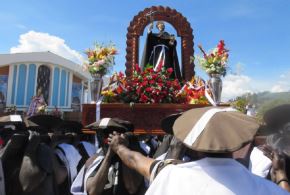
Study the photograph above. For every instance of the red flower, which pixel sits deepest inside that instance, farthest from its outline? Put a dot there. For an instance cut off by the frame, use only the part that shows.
(144, 98)
(160, 84)
(137, 68)
(138, 91)
(149, 89)
(119, 90)
(169, 70)
(144, 83)
(121, 75)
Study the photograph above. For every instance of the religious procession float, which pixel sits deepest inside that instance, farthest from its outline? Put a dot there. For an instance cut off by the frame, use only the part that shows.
(158, 84)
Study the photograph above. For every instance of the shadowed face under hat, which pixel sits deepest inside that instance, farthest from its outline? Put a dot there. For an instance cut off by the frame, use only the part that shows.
(108, 125)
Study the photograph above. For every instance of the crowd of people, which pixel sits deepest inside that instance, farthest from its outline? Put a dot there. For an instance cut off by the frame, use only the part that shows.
(208, 150)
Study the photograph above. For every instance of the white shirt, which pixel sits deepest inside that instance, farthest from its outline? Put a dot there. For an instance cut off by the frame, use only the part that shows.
(259, 163)
(210, 176)
(251, 112)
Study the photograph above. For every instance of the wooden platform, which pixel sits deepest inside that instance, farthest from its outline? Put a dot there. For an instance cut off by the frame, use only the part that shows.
(145, 117)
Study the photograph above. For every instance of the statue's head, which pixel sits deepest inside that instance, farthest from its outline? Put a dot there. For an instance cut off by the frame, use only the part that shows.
(160, 26)
(39, 91)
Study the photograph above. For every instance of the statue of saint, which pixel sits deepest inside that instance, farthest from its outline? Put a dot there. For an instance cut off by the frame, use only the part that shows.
(160, 51)
(37, 103)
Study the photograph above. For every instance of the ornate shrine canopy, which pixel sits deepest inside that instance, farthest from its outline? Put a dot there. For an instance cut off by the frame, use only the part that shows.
(173, 17)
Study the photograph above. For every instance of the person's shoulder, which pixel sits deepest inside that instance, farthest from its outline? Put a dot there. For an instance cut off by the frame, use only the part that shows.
(158, 165)
(267, 187)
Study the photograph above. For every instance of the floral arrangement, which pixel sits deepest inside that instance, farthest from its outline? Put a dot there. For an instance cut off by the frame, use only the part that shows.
(100, 59)
(148, 86)
(216, 61)
(194, 91)
(152, 86)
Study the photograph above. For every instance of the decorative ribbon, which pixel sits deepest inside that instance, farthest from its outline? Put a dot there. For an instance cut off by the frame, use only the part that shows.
(98, 117)
(161, 58)
(208, 97)
(98, 108)
(202, 122)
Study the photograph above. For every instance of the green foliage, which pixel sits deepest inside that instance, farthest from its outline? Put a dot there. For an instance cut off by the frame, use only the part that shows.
(240, 104)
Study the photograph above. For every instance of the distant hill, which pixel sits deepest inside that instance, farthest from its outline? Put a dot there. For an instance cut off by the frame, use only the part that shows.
(266, 97)
(267, 100)
(263, 101)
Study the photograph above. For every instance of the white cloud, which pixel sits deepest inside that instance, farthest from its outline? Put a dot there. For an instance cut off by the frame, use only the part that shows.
(278, 88)
(236, 85)
(38, 41)
(283, 84)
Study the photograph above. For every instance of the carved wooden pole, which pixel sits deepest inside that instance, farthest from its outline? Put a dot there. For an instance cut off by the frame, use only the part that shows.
(135, 50)
(187, 52)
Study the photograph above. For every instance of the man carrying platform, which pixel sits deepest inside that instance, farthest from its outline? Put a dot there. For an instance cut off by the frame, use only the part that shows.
(213, 134)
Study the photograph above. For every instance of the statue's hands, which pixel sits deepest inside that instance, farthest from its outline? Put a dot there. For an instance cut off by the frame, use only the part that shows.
(172, 39)
(116, 140)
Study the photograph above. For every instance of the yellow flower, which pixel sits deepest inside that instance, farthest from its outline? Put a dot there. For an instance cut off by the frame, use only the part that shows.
(91, 58)
(108, 93)
(100, 56)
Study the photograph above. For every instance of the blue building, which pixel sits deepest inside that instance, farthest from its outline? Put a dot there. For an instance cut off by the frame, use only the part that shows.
(64, 84)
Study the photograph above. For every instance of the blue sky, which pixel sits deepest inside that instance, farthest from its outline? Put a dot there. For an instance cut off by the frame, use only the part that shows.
(255, 31)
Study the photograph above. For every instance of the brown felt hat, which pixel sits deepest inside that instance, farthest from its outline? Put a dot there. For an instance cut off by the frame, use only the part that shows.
(108, 125)
(68, 126)
(47, 122)
(225, 131)
(168, 121)
(15, 120)
(278, 116)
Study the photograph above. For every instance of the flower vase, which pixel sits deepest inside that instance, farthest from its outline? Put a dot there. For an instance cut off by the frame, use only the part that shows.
(216, 85)
(96, 87)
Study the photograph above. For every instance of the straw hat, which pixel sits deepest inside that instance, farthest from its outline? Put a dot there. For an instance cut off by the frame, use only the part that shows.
(215, 129)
